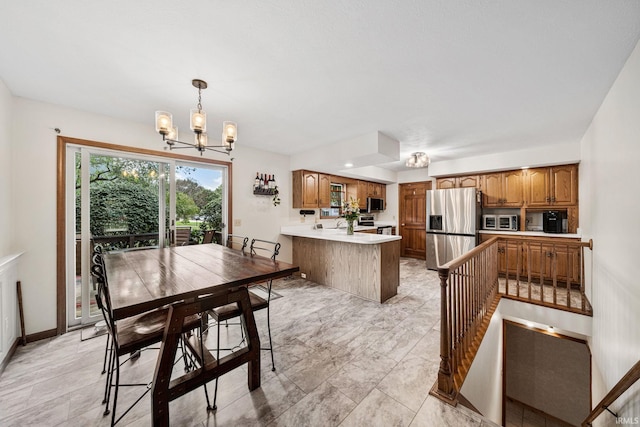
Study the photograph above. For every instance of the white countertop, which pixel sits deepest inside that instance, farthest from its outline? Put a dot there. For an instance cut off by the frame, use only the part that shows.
(338, 235)
(532, 233)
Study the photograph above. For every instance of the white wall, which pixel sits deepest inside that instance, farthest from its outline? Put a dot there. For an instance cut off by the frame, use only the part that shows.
(609, 210)
(33, 158)
(6, 101)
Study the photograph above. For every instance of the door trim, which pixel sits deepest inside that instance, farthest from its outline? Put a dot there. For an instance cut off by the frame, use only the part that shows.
(61, 183)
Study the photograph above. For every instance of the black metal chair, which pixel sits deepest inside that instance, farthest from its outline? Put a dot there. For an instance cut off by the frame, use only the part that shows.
(230, 311)
(127, 336)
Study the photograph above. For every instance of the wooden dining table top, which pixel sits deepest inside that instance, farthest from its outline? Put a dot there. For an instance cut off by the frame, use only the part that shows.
(143, 280)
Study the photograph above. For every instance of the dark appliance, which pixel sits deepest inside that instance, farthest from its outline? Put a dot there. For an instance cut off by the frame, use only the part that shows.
(366, 220)
(554, 221)
(374, 205)
(385, 229)
(453, 220)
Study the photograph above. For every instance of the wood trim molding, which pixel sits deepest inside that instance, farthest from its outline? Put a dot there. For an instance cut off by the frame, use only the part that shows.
(9, 355)
(42, 335)
(62, 143)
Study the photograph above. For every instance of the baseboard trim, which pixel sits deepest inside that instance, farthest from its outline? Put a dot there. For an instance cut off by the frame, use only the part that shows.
(10, 353)
(42, 335)
(558, 421)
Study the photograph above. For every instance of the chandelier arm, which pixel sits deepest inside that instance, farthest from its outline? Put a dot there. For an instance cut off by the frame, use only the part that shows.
(172, 146)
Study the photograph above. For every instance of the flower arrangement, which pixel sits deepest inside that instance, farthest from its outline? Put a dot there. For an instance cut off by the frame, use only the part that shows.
(351, 210)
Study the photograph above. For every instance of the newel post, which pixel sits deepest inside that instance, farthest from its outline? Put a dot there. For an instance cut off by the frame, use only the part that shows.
(445, 389)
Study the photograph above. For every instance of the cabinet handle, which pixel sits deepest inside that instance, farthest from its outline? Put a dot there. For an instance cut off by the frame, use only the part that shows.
(553, 200)
(548, 199)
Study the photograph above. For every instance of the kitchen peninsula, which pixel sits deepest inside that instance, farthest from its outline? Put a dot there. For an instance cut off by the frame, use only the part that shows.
(363, 264)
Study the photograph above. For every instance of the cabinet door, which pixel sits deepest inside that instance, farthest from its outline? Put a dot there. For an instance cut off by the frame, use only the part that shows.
(445, 183)
(374, 190)
(512, 189)
(363, 189)
(310, 190)
(537, 260)
(567, 261)
(472, 181)
(538, 187)
(564, 185)
(324, 191)
(509, 258)
(492, 190)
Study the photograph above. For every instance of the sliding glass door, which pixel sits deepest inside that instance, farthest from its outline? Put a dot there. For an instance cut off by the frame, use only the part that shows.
(122, 201)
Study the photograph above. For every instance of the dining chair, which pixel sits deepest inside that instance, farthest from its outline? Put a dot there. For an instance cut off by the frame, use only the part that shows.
(207, 237)
(237, 242)
(258, 248)
(183, 236)
(128, 336)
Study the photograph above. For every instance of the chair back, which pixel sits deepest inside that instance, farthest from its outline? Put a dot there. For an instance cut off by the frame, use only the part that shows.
(103, 299)
(235, 241)
(265, 248)
(183, 235)
(207, 237)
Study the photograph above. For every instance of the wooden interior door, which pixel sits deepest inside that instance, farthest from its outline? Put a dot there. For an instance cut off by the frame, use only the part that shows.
(413, 219)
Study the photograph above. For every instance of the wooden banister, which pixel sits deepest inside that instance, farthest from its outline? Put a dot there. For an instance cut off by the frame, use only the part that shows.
(471, 287)
(623, 385)
(468, 293)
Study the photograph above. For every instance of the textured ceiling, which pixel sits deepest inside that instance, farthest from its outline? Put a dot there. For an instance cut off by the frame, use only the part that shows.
(451, 78)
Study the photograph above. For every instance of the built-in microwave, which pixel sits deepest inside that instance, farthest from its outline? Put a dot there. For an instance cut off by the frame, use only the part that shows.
(508, 222)
(490, 222)
(374, 205)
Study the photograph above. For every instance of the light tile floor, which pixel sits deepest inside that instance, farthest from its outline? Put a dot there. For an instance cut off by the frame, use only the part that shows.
(341, 361)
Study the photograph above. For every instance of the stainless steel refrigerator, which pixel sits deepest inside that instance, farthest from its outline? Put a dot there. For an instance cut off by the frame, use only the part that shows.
(453, 221)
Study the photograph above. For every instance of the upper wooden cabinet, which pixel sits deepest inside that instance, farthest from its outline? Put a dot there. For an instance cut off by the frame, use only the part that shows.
(305, 187)
(552, 186)
(503, 189)
(374, 190)
(472, 181)
(370, 189)
(313, 189)
(324, 190)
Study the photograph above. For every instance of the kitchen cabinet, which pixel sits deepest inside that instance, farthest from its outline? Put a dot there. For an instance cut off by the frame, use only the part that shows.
(370, 189)
(540, 256)
(552, 187)
(543, 259)
(472, 181)
(313, 189)
(503, 189)
(509, 258)
(324, 191)
(374, 190)
(305, 189)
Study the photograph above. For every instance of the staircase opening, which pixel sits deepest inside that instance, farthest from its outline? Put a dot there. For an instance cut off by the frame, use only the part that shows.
(547, 376)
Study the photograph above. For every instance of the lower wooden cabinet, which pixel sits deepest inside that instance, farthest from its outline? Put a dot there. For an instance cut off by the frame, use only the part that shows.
(541, 257)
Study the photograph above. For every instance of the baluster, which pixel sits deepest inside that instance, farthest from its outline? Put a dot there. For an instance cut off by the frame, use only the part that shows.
(445, 380)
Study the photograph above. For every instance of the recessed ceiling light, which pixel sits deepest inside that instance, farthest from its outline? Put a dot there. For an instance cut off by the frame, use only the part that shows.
(348, 165)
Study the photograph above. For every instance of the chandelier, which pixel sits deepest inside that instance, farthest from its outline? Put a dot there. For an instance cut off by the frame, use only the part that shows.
(164, 126)
(418, 160)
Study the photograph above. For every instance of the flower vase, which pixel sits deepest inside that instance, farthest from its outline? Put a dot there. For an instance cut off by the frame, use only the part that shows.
(349, 227)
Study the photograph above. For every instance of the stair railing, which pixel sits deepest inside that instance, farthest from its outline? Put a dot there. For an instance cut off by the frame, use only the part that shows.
(623, 385)
(468, 292)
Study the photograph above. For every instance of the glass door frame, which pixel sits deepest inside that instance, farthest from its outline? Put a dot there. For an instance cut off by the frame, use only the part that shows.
(67, 147)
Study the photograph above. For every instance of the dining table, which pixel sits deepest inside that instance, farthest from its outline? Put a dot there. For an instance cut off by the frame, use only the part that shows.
(190, 280)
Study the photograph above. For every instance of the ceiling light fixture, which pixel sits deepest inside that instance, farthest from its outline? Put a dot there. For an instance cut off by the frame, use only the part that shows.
(164, 126)
(418, 160)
